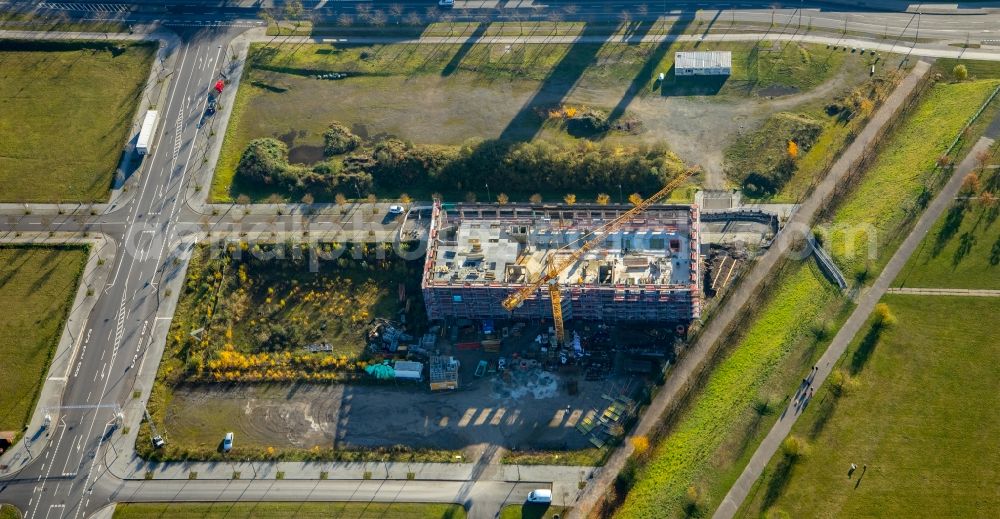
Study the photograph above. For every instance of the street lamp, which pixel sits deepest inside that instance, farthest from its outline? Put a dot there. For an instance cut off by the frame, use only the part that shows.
(489, 197)
(621, 196)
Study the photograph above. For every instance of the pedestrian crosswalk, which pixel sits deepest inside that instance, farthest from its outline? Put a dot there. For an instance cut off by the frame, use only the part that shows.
(87, 7)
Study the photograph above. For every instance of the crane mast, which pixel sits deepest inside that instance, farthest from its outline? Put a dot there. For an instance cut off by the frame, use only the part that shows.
(550, 276)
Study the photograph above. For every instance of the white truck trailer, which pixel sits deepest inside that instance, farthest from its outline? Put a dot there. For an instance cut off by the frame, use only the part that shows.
(145, 140)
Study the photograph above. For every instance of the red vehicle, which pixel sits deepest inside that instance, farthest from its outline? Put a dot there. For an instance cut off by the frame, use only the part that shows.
(219, 85)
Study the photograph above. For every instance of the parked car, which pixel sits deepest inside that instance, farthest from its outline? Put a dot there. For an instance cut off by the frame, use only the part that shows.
(446, 3)
(396, 209)
(227, 442)
(158, 442)
(541, 495)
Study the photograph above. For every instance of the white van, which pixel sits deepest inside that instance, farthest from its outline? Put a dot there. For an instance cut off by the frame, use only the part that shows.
(542, 495)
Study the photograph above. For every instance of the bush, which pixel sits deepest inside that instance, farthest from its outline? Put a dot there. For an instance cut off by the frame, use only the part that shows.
(588, 123)
(794, 447)
(339, 139)
(883, 315)
(393, 163)
(960, 72)
(763, 161)
(265, 161)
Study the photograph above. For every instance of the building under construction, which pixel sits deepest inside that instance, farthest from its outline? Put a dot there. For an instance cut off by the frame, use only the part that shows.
(478, 255)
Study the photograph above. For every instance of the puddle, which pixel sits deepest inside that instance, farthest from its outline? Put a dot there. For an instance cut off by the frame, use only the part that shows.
(305, 154)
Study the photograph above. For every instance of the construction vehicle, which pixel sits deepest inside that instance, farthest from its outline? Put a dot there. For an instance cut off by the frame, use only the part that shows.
(551, 275)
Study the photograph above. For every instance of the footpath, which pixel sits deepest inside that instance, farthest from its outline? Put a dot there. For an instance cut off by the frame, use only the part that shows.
(679, 380)
(971, 292)
(866, 304)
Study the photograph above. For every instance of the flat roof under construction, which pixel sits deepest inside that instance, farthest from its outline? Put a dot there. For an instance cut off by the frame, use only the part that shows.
(655, 249)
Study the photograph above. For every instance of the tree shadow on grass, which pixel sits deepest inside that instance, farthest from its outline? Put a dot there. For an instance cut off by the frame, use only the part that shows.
(865, 348)
(648, 69)
(952, 222)
(556, 86)
(777, 482)
(965, 244)
(824, 411)
(471, 41)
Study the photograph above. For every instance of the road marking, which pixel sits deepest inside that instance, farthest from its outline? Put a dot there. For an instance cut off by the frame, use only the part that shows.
(62, 431)
(84, 338)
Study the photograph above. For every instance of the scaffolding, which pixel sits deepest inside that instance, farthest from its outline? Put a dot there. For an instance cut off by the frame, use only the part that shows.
(479, 254)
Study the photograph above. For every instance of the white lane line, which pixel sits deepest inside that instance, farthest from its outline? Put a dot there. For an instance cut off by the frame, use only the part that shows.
(62, 431)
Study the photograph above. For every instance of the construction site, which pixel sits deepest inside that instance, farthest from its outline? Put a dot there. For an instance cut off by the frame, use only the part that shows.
(547, 327)
(647, 269)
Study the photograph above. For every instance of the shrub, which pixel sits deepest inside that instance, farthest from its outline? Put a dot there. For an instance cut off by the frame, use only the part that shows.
(640, 444)
(393, 163)
(794, 447)
(338, 139)
(764, 160)
(264, 160)
(883, 315)
(587, 123)
(960, 72)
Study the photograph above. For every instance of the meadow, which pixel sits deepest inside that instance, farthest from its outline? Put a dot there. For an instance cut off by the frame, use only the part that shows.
(37, 287)
(462, 94)
(66, 112)
(914, 409)
(871, 220)
(687, 470)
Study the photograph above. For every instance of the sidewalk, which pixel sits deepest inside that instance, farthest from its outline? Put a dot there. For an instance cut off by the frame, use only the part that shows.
(94, 276)
(945, 292)
(745, 483)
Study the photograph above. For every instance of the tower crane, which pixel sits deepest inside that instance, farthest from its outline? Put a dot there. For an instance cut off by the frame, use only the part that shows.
(555, 266)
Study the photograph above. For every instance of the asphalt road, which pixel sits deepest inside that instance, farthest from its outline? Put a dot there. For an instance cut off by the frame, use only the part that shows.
(68, 479)
(887, 19)
(60, 483)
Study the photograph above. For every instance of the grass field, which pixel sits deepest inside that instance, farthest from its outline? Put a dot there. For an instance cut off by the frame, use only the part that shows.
(920, 413)
(532, 511)
(456, 93)
(37, 287)
(886, 197)
(267, 510)
(66, 110)
(962, 250)
(736, 403)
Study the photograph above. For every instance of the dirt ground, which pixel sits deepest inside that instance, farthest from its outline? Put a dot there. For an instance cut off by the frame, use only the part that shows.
(450, 110)
(529, 408)
(533, 411)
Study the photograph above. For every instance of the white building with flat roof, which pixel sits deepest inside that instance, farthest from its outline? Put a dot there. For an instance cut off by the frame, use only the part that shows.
(712, 63)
